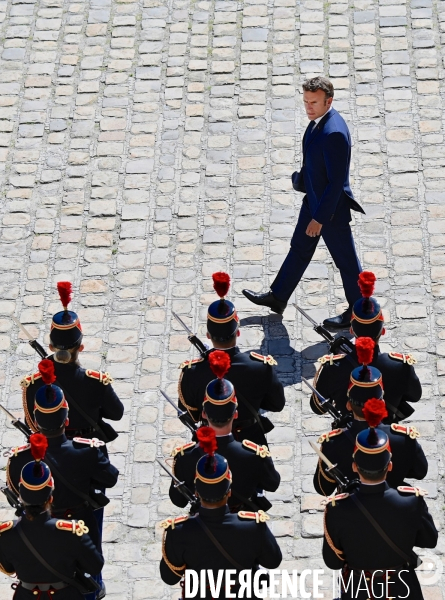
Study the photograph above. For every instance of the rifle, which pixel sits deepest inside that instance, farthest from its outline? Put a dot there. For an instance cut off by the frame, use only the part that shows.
(183, 416)
(343, 483)
(13, 501)
(17, 423)
(335, 344)
(192, 337)
(32, 342)
(183, 489)
(339, 419)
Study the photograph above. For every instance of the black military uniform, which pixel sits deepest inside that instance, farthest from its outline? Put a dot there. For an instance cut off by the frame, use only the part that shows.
(245, 537)
(91, 390)
(353, 543)
(256, 382)
(52, 538)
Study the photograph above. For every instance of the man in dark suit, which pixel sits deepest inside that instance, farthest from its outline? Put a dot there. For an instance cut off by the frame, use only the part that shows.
(327, 204)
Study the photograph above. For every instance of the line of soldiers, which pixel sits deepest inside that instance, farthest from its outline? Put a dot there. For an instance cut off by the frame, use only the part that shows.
(57, 480)
(370, 528)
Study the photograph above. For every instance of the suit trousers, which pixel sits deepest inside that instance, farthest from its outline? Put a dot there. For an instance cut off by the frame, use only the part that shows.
(338, 238)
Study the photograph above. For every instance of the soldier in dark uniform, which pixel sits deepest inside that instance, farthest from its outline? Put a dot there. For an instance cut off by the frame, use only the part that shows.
(370, 534)
(89, 393)
(52, 538)
(244, 538)
(79, 466)
(402, 386)
(408, 458)
(256, 382)
(251, 465)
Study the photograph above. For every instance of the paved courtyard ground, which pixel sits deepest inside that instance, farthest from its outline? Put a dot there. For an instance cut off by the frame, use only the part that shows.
(144, 145)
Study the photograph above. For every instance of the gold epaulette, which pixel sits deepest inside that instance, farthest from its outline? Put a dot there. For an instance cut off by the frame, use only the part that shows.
(333, 499)
(407, 430)
(407, 489)
(325, 437)
(5, 526)
(29, 379)
(92, 442)
(267, 360)
(75, 527)
(104, 378)
(15, 451)
(180, 449)
(262, 451)
(330, 358)
(406, 358)
(173, 521)
(259, 517)
(190, 363)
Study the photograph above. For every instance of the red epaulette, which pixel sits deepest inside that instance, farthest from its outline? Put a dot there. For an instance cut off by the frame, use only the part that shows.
(29, 379)
(104, 378)
(406, 429)
(333, 499)
(407, 489)
(325, 437)
(15, 451)
(262, 451)
(330, 358)
(267, 360)
(259, 517)
(180, 449)
(189, 363)
(75, 527)
(92, 442)
(5, 526)
(406, 358)
(173, 521)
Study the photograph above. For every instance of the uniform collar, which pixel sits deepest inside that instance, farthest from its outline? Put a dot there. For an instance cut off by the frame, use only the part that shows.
(373, 489)
(213, 514)
(57, 441)
(224, 440)
(42, 518)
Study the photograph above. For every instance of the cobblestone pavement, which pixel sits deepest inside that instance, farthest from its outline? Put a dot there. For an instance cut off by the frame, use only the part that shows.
(144, 145)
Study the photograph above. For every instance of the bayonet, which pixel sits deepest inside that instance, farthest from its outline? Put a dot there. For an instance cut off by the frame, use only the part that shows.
(183, 489)
(192, 337)
(17, 423)
(343, 483)
(32, 341)
(183, 416)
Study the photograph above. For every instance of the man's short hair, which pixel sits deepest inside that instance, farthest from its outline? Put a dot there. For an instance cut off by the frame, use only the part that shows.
(373, 475)
(319, 83)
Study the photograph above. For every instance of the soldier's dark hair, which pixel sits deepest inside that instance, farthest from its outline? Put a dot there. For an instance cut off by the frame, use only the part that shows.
(373, 475)
(67, 356)
(319, 83)
(225, 340)
(218, 424)
(32, 511)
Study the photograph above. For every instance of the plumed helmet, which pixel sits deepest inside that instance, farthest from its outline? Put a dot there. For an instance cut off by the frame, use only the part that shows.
(365, 382)
(213, 477)
(222, 320)
(220, 401)
(50, 405)
(66, 330)
(36, 482)
(367, 318)
(372, 452)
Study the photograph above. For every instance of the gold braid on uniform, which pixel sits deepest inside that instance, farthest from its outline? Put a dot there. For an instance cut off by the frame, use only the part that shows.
(314, 396)
(3, 570)
(28, 417)
(9, 480)
(321, 472)
(329, 539)
(167, 562)
(182, 399)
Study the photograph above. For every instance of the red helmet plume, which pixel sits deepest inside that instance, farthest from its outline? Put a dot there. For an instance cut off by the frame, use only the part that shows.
(219, 362)
(46, 369)
(39, 444)
(65, 289)
(374, 411)
(366, 283)
(365, 350)
(221, 283)
(207, 440)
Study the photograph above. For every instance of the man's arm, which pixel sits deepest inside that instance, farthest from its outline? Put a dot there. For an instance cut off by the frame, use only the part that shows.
(181, 471)
(103, 471)
(88, 557)
(270, 478)
(324, 484)
(171, 561)
(269, 551)
(111, 407)
(419, 467)
(187, 394)
(273, 398)
(336, 151)
(427, 533)
(413, 388)
(332, 551)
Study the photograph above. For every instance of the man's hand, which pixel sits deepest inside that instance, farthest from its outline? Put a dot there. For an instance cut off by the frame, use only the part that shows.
(314, 228)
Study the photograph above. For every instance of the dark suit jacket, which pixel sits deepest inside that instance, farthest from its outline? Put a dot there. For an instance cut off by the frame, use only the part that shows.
(324, 176)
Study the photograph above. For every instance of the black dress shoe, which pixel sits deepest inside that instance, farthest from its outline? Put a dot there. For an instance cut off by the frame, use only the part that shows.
(342, 321)
(267, 299)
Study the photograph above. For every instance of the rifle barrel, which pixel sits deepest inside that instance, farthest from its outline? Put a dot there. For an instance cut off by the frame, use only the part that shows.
(170, 401)
(10, 415)
(24, 330)
(321, 455)
(311, 387)
(181, 322)
(306, 315)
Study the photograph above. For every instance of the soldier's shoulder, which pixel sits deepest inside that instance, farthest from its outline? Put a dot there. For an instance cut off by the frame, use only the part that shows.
(28, 380)
(102, 377)
(411, 490)
(330, 359)
(80, 442)
(182, 449)
(402, 357)
(14, 452)
(75, 527)
(407, 430)
(329, 435)
(6, 526)
(173, 522)
(262, 451)
(332, 500)
(258, 517)
(266, 360)
(189, 364)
